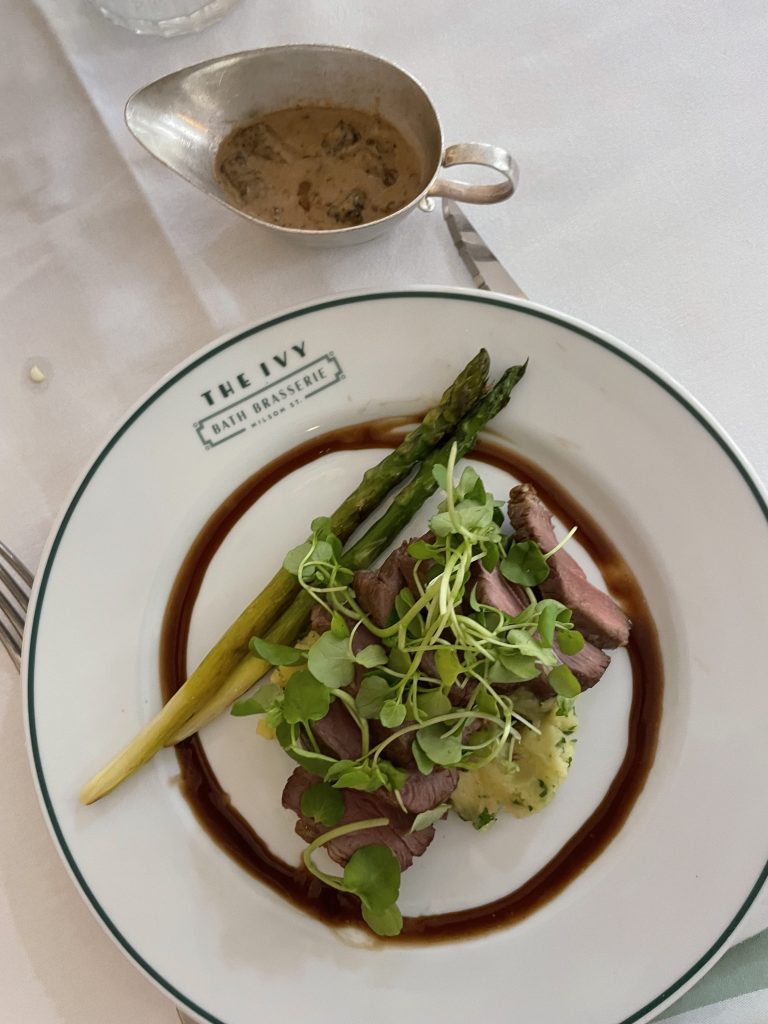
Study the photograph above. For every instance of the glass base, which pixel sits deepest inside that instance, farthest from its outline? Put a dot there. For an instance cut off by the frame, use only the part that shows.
(163, 17)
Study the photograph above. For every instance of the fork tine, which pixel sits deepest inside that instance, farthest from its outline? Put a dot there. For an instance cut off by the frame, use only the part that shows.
(12, 571)
(13, 615)
(11, 644)
(18, 591)
(17, 564)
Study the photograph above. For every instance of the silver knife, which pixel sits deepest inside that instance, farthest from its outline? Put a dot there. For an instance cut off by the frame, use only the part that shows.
(486, 271)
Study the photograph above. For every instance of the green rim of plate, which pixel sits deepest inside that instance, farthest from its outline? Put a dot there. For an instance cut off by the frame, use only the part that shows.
(561, 321)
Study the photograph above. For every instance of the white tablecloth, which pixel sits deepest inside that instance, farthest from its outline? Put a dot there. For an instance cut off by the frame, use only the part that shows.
(641, 135)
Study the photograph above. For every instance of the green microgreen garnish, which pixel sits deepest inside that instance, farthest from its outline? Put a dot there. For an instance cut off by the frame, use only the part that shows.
(323, 804)
(433, 675)
(372, 873)
(435, 642)
(427, 818)
(276, 654)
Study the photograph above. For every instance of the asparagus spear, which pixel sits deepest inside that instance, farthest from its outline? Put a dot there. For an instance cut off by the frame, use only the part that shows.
(414, 494)
(225, 656)
(376, 483)
(363, 553)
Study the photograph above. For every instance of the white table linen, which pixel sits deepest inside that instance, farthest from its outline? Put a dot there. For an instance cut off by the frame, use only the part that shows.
(641, 135)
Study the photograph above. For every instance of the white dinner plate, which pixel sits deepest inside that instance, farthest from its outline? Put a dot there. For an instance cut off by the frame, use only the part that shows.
(638, 925)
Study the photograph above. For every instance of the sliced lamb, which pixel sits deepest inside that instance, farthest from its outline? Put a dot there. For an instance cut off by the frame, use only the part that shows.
(320, 619)
(359, 807)
(595, 614)
(376, 589)
(495, 591)
(422, 792)
(398, 751)
(338, 734)
(588, 665)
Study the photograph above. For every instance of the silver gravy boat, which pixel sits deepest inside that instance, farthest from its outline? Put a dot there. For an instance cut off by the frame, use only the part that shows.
(182, 119)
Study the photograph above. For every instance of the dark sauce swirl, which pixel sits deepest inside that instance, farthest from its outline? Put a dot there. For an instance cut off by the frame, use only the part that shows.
(232, 832)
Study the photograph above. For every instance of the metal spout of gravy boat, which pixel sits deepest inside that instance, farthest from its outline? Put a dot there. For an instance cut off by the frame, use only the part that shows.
(183, 118)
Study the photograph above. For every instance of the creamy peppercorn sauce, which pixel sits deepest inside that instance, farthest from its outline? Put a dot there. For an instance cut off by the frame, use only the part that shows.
(319, 168)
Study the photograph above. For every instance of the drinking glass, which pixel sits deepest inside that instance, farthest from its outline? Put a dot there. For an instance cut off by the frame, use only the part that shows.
(164, 17)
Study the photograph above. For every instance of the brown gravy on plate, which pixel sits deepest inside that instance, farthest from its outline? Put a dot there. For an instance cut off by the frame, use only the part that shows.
(229, 829)
(319, 167)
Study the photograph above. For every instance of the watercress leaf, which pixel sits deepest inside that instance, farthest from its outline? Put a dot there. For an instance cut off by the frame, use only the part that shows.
(424, 763)
(474, 517)
(331, 662)
(373, 874)
(323, 552)
(564, 682)
(467, 481)
(376, 779)
(386, 923)
(448, 665)
(524, 642)
(261, 701)
(433, 703)
(318, 764)
(296, 556)
(478, 493)
(355, 778)
(547, 617)
(306, 699)
(498, 515)
(420, 550)
(249, 706)
(427, 818)
(374, 691)
(441, 524)
(570, 641)
(338, 768)
(440, 473)
(339, 628)
(519, 667)
(438, 745)
(399, 660)
(284, 735)
(323, 804)
(392, 714)
(526, 616)
(321, 527)
(404, 601)
(392, 777)
(491, 557)
(524, 563)
(275, 654)
(371, 656)
(336, 546)
(485, 702)
(496, 673)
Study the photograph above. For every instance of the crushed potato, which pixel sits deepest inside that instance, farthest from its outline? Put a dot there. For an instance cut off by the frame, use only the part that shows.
(541, 764)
